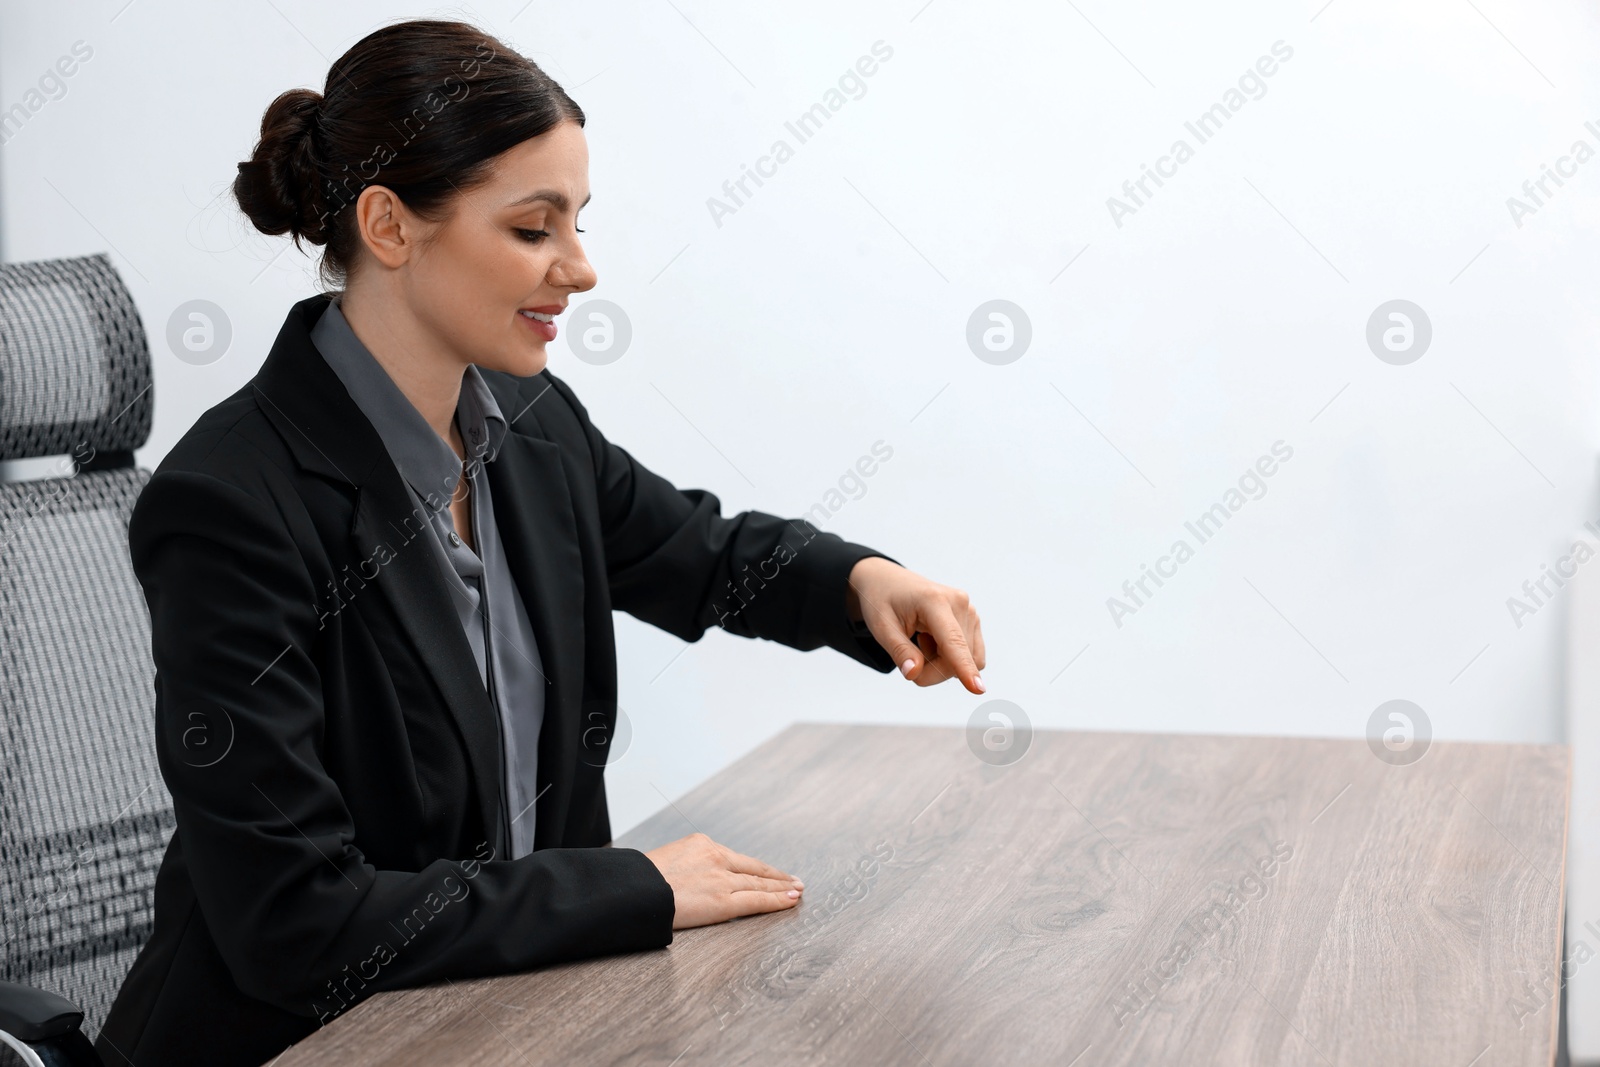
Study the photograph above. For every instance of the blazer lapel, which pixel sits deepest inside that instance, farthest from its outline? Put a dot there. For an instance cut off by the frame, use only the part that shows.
(330, 435)
(385, 531)
(533, 512)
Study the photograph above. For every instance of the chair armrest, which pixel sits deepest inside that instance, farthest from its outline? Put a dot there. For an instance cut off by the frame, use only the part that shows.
(34, 1015)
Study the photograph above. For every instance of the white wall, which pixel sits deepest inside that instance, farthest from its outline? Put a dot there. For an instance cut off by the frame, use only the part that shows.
(830, 312)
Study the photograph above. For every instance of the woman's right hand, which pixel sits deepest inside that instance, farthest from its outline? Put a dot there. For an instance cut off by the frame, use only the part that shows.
(712, 884)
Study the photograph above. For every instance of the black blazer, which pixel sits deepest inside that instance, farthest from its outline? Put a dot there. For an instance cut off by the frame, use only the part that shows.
(332, 755)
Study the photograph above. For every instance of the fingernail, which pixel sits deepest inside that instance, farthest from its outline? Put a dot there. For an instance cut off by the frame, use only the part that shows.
(977, 680)
(905, 668)
(793, 893)
(798, 884)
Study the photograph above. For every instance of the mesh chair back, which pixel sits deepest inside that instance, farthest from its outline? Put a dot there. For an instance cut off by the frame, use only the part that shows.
(84, 814)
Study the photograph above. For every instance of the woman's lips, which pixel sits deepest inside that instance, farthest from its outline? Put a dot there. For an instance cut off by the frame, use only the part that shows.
(545, 331)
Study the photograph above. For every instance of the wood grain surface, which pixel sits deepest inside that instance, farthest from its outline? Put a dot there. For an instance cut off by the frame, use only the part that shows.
(1121, 899)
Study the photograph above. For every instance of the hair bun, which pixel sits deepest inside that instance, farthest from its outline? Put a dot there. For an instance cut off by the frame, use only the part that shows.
(280, 187)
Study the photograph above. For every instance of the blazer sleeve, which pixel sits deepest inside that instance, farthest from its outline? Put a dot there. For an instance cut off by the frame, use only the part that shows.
(301, 918)
(676, 562)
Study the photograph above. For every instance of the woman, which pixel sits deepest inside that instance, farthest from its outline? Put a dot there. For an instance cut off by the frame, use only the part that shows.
(381, 577)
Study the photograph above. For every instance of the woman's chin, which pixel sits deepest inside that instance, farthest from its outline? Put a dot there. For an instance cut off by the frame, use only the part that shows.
(534, 362)
(525, 363)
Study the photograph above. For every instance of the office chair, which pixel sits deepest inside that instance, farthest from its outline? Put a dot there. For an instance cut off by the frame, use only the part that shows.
(84, 814)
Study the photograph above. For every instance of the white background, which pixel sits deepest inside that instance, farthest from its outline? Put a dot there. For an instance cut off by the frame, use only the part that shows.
(830, 312)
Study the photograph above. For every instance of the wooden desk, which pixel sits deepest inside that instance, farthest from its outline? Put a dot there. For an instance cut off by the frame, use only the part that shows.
(1072, 908)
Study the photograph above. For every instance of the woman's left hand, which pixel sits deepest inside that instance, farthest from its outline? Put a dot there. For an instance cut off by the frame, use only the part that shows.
(898, 604)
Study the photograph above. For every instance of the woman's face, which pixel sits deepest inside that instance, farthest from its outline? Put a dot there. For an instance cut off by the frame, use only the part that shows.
(508, 251)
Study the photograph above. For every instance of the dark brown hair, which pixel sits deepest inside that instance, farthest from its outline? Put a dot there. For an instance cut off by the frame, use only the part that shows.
(419, 107)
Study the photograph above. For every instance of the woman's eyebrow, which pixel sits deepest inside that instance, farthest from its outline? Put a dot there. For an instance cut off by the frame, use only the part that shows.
(559, 200)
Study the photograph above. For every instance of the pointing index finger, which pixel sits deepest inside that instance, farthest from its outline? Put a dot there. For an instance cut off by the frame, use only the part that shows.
(954, 650)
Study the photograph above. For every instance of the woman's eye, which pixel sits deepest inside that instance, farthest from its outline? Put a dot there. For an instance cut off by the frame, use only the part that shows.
(535, 236)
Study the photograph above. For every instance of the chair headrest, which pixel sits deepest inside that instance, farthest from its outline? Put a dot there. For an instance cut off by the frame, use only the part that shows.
(74, 361)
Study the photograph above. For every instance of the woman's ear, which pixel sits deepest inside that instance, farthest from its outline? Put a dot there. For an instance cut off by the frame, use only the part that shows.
(388, 230)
